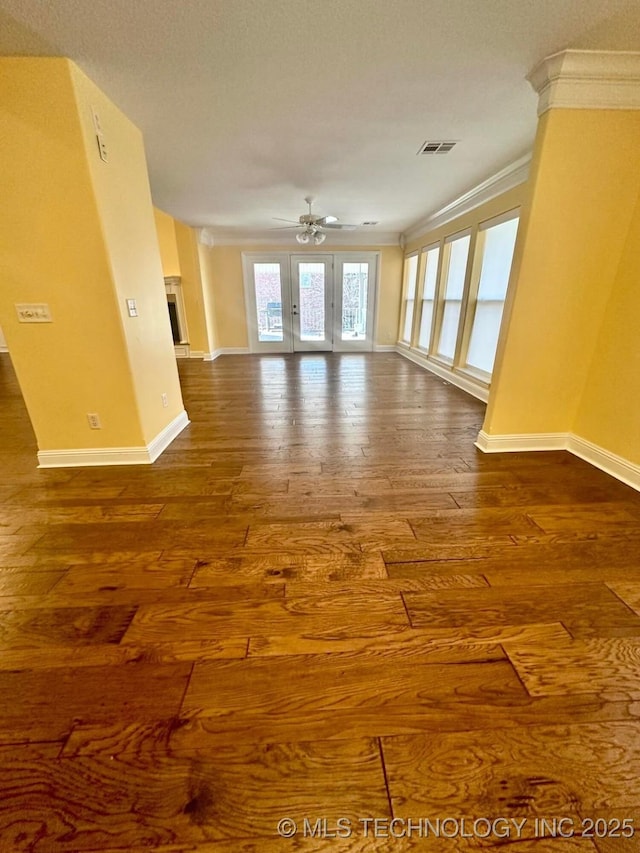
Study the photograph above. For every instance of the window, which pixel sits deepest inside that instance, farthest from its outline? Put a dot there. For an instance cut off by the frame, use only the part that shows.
(410, 275)
(428, 296)
(496, 244)
(456, 253)
(460, 300)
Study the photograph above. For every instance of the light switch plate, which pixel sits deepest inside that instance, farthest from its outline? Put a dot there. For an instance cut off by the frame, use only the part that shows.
(102, 147)
(132, 308)
(33, 312)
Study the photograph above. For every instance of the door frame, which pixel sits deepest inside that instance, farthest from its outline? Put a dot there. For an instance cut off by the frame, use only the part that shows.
(251, 310)
(341, 258)
(285, 260)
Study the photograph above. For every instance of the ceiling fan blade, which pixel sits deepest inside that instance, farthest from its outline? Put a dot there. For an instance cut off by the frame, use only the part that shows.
(280, 219)
(340, 226)
(283, 227)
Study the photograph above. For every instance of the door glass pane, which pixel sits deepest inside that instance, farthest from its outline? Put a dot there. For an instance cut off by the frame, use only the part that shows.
(312, 302)
(355, 285)
(499, 244)
(268, 289)
(457, 267)
(428, 296)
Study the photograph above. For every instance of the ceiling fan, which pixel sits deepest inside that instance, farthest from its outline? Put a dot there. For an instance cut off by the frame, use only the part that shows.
(312, 226)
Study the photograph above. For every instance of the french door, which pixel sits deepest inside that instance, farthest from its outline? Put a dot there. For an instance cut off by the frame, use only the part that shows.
(310, 302)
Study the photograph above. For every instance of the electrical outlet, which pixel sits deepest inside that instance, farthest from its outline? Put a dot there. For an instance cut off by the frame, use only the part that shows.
(94, 421)
(165, 401)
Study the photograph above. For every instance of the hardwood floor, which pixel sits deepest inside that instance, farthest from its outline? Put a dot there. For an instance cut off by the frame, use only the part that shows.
(322, 604)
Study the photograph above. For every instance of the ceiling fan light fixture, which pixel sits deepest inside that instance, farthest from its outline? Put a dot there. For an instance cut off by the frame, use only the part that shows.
(312, 226)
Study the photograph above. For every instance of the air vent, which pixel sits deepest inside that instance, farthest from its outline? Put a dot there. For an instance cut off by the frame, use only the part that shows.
(370, 222)
(440, 147)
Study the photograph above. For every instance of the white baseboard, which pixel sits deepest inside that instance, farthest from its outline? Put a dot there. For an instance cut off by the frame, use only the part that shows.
(181, 350)
(617, 466)
(196, 353)
(89, 457)
(480, 392)
(211, 356)
(164, 438)
(521, 442)
(4, 349)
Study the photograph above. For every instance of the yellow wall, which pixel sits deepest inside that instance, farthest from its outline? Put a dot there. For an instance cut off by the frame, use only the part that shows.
(166, 230)
(224, 267)
(609, 413)
(53, 251)
(191, 276)
(585, 178)
(205, 256)
(180, 257)
(126, 214)
(391, 260)
(79, 235)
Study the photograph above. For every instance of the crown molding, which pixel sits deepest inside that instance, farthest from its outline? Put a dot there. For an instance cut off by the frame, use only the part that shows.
(506, 179)
(334, 238)
(587, 80)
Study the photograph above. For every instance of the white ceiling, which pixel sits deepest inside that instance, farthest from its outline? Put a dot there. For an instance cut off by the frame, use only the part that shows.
(249, 105)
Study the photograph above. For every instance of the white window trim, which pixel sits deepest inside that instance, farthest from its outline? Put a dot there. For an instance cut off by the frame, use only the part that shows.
(451, 363)
(405, 299)
(468, 376)
(422, 274)
(472, 296)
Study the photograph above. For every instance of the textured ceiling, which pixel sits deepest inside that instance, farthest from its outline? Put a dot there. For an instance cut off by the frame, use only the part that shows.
(249, 105)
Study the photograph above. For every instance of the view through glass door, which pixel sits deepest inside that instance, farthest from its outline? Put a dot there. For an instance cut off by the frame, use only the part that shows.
(312, 303)
(304, 303)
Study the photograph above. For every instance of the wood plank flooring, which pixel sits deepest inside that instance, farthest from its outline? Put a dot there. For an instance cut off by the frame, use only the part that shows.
(320, 604)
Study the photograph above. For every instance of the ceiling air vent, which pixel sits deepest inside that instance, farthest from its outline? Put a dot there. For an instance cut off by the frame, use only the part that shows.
(370, 222)
(439, 147)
